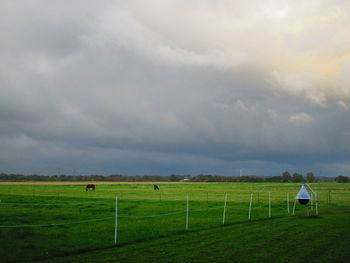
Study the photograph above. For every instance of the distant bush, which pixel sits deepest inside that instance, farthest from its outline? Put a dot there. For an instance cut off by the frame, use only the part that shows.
(342, 179)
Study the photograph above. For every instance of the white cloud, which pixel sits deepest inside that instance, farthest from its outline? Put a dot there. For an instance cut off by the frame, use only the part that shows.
(343, 105)
(301, 118)
(292, 42)
(307, 84)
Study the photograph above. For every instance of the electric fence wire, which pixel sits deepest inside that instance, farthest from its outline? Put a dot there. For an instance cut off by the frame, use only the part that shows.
(58, 224)
(106, 218)
(54, 204)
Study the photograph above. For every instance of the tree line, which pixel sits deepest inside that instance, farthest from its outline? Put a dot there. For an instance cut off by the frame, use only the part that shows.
(284, 178)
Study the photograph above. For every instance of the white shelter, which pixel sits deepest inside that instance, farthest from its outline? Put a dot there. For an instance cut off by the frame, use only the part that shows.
(303, 196)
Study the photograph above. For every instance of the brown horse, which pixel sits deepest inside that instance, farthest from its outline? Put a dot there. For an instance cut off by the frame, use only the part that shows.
(90, 187)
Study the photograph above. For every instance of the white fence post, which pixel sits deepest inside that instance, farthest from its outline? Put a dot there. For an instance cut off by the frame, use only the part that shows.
(288, 202)
(295, 201)
(250, 205)
(116, 221)
(269, 204)
(187, 214)
(223, 216)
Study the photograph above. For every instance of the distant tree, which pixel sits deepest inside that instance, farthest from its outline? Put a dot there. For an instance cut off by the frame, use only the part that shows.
(342, 179)
(286, 177)
(297, 178)
(310, 177)
(174, 178)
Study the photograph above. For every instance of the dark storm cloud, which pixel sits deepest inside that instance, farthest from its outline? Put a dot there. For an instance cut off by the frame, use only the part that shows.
(115, 87)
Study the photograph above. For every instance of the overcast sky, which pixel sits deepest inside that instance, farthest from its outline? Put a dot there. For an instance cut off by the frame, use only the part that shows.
(175, 86)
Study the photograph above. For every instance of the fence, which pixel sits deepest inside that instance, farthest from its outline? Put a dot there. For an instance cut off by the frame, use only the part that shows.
(252, 210)
(42, 230)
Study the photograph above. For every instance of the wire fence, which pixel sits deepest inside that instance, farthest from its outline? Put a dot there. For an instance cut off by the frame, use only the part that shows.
(55, 225)
(253, 209)
(58, 228)
(53, 204)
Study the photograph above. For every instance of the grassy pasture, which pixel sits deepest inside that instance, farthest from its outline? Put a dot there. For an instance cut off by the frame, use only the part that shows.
(85, 221)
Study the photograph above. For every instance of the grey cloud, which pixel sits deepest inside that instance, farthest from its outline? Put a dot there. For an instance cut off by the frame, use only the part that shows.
(81, 92)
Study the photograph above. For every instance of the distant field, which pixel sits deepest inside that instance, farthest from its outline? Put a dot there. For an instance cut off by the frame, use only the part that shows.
(61, 222)
(77, 183)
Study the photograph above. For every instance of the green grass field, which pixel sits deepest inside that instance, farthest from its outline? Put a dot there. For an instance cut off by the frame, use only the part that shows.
(63, 223)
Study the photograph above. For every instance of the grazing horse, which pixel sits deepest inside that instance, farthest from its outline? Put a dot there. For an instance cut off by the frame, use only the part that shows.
(155, 187)
(90, 187)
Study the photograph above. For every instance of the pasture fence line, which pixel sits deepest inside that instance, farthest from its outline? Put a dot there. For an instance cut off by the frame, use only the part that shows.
(224, 214)
(116, 221)
(269, 204)
(198, 196)
(58, 224)
(326, 195)
(295, 201)
(187, 212)
(250, 205)
(157, 215)
(99, 219)
(55, 204)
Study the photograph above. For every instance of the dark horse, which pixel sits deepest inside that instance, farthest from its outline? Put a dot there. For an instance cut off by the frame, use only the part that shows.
(155, 187)
(90, 187)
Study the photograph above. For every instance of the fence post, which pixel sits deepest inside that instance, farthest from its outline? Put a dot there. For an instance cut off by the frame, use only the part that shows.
(223, 216)
(295, 200)
(329, 197)
(269, 204)
(288, 202)
(316, 205)
(187, 214)
(250, 205)
(116, 221)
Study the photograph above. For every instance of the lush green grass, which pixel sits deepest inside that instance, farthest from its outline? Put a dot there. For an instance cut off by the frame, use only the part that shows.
(142, 236)
(276, 240)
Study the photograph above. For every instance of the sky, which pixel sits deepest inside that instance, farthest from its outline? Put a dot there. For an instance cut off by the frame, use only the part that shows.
(175, 86)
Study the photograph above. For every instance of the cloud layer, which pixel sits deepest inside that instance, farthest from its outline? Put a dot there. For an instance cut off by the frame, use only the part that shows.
(174, 86)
